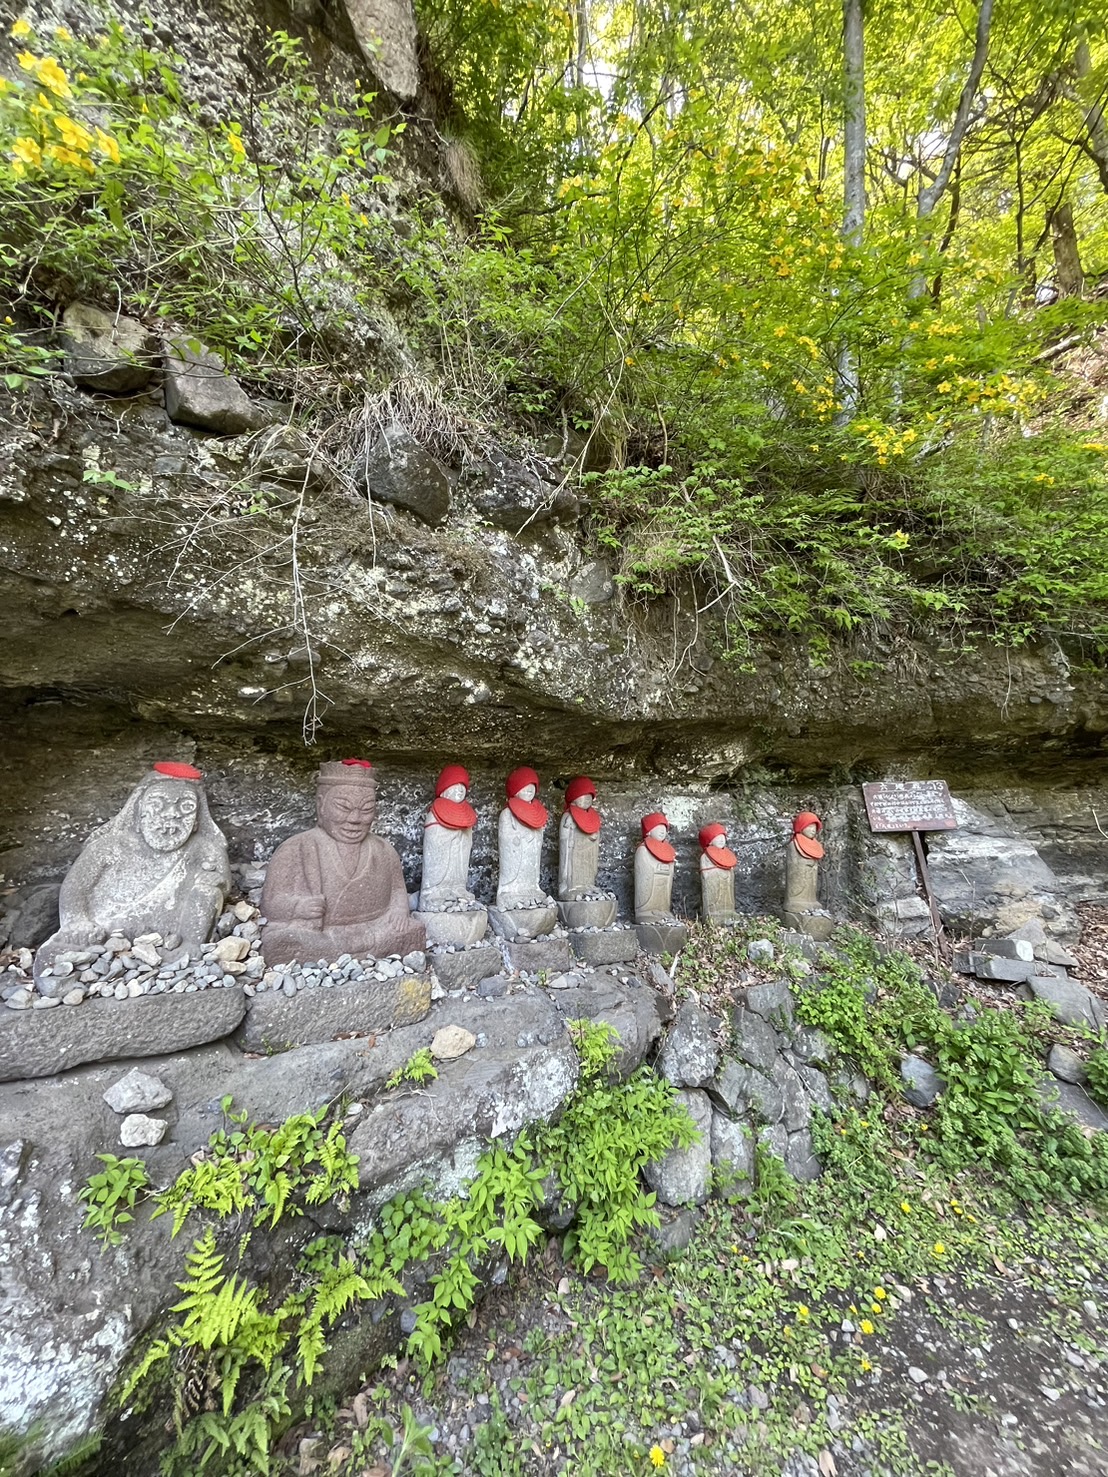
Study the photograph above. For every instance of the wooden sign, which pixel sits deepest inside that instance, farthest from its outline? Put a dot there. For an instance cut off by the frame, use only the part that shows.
(909, 805)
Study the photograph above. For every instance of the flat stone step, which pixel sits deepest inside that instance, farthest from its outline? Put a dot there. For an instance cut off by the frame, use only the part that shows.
(279, 1022)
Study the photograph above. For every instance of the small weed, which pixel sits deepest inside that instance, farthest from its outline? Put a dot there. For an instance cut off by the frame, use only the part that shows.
(418, 1068)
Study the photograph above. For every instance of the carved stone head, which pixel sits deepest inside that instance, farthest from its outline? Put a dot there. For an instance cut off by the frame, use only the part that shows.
(167, 814)
(346, 800)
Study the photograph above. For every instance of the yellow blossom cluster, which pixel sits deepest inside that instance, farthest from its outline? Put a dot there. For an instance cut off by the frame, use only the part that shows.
(886, 441)
(40, 133)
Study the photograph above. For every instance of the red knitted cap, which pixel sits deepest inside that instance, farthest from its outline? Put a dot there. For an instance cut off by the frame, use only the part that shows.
(356, 763)
(655, 819)
(177, 771)
(452, 774)
(806, 818)
(582, 785)
(519, 779)
(709, 832)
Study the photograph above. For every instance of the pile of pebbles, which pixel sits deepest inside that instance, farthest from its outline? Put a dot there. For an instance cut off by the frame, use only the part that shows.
(459, 905)
(122, 968)
(485, 943)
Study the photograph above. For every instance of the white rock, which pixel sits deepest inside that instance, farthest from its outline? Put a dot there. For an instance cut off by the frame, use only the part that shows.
(451, 1042)
(137, 1131)
(231, 950)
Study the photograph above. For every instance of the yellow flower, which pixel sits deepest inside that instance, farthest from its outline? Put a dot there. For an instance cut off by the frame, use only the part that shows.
(26, 151)
(657, 1457)
(880, 1294)
(802, 1313)
(21, 28)
(61, 34)
(27, 60)
(52, 76)
(939, 1249)
(363, 220)
(866, 1366)
(944, 387)
(875, 1307)
(237, 147)
(867, 1327)
(107, 145)
(905, 1207)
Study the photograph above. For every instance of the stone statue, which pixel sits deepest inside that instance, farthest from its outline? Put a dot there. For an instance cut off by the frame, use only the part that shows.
(802, 858)
(717, 875)
(523, 910)
(654, 861)
(338, 889)
(580, 903)
(160, 866)
(448, 910)
(520, 832)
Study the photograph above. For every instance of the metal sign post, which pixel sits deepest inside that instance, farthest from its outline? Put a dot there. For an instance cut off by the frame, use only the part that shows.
(915, 806)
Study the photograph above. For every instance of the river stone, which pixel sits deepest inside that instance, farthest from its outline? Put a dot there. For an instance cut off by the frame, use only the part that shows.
(691, 1053)
(200, 392)
(106, 351)
(922, 1084)
(684, 1176)
(1070, 1002)
(732, 1145)
(1066, 1064)
(280, 1022)
(137, 1131)
(138, 1092)
(40, 1043)
(450, 1042)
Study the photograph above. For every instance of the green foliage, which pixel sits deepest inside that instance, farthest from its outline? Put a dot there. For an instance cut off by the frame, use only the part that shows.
(260, 1170)
(110, 1196)
(418, 1068)
(1097, 1068)
(264, 228)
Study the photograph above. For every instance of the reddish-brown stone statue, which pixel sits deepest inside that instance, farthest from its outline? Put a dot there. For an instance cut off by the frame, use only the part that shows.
(338, 889)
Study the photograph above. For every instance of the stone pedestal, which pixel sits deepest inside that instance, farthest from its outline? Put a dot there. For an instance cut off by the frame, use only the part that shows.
(530, 956)
(462, 969)
(817, 925)
(617, 945)
(518, 924)
(279, 1022)
(459, 929)
(588, 912)
(661, 938)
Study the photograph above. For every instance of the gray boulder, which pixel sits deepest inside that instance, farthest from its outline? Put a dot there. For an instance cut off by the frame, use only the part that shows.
(691, 1054)
(732, 1145)
(800, 1158)
(922, 1084)
(385, 30)
(1074, 1101)
(684, 1176)
(518, 497)
(399, 471)
(34, 918)
(773, 1002)
(756, 1042)
(107, 351)
(738, 1089)
(1066, 1065)
(138, 1092)
(1069, 1002)
(200, 392)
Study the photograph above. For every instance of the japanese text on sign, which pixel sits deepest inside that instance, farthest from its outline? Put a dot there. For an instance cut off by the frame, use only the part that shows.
(909, 805)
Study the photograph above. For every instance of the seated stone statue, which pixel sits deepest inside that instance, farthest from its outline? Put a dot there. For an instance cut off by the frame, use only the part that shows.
(338, 889)
(654, 859)
(520, 832)
(717, 874)
(802, 909)
(160, 866)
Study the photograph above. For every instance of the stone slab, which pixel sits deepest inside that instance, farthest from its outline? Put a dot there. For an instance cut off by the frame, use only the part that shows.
(1006, 949)
(530, 956)
(609, 946)
(459, 929)
(991, 967)
(465, 968)
(1067, 1097)
(662, 938)
(1070, 1002)
(818, 926)
(279, 1022)
(518, 924)
(38, 1043)
(588, 913)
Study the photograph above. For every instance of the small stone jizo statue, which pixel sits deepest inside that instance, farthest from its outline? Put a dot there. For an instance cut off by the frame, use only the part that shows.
(160, 866)
(654, 863)
(802, 858)
(338, 889)
(523, 910)
(717, 874)
(581, 903)
(448, 910)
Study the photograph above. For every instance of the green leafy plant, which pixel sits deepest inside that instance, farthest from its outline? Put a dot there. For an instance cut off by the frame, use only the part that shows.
(110, 1196)
(418, 1068)
(1097, 1068)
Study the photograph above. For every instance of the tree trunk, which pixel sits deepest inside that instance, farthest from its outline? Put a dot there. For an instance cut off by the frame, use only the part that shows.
(854, 180)
(581, 13)
(1068, 275)
(1096, 127)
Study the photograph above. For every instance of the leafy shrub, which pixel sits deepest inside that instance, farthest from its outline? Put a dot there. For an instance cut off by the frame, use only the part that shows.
(1097, 1068)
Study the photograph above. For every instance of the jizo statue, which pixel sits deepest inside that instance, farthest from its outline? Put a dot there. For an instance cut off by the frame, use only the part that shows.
(338, 889)
(717, 874)
(578, 841)
(654, 863)
(520, 833)
(447, 843)
(160, 866)
(802, 858)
